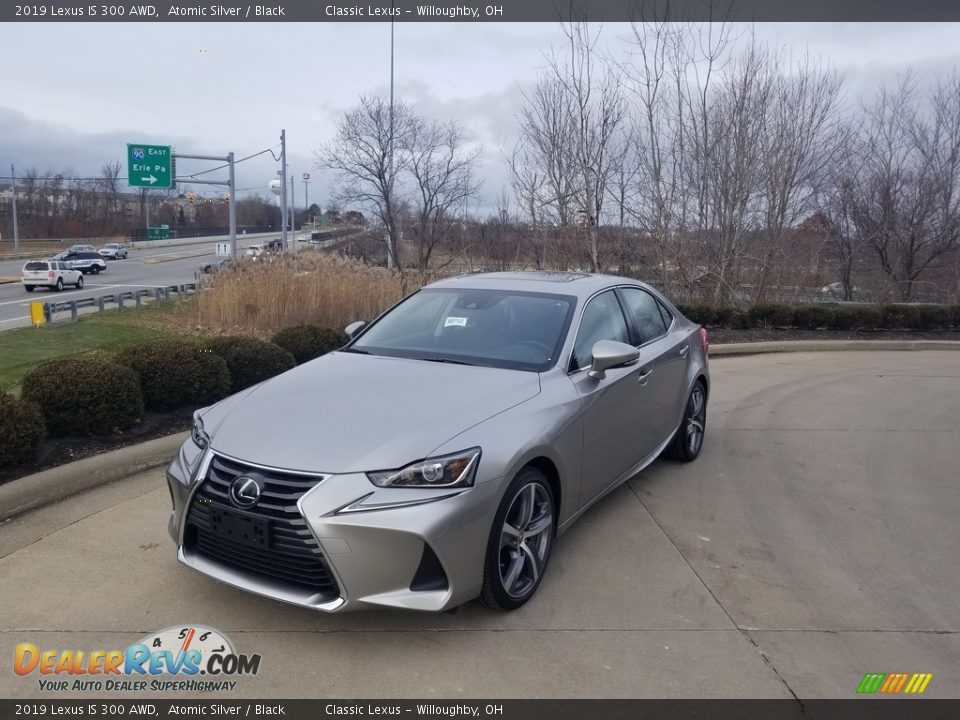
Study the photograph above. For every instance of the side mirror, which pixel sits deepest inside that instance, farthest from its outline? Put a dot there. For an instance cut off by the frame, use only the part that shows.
(611, 354)
(353, 328)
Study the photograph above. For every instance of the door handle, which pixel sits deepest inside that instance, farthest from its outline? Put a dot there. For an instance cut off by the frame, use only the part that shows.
(684, 350)
(644, 375)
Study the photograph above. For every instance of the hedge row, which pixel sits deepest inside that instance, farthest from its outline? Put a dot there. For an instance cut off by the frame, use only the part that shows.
(816, 316)
(21, 430)
(102, 393)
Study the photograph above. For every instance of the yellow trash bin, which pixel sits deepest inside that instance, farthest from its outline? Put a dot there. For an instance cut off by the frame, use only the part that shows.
(36, 314)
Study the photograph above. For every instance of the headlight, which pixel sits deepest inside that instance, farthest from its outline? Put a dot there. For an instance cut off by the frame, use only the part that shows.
(456, 470)
(197, 434)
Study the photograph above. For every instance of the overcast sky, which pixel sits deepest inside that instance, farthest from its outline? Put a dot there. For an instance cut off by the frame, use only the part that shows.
(74, 95)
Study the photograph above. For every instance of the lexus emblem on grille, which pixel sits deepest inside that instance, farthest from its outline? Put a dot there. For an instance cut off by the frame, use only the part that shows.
(245, 491)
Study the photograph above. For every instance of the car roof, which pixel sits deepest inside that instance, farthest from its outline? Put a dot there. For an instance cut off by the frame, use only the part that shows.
(580, 284)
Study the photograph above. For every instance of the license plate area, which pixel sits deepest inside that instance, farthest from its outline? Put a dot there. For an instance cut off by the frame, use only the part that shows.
(243, 529)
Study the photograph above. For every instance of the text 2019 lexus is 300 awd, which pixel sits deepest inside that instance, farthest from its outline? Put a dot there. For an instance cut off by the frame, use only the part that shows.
(436, 456)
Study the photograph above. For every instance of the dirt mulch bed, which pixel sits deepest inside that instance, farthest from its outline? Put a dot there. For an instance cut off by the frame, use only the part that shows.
(60, 451)
(722, 336)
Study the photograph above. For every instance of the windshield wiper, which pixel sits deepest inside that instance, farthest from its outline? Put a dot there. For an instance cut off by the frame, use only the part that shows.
(444, 360)
(359, 351)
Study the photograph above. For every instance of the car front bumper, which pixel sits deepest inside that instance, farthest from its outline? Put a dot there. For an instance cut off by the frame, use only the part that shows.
(418, 549)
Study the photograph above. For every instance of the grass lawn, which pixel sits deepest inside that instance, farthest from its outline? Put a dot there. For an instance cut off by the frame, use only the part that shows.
(23, 348)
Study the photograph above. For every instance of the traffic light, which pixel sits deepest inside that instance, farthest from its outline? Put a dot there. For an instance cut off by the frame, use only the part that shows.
(191, 198)
(226, 198)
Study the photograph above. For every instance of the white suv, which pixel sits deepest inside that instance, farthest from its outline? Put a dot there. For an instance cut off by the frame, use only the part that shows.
(53, 274)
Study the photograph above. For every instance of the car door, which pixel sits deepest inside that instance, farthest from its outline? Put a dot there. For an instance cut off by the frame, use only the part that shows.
(612, 407)
(664, 349)
(70, 276)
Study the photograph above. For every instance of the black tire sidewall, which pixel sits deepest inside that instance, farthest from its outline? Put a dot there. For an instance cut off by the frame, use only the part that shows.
(493, 586)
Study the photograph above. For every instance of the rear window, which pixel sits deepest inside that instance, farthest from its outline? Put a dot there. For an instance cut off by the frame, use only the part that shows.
(35, 266)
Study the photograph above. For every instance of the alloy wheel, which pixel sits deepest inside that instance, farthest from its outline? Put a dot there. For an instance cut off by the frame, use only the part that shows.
(695, 420)
(525, 540)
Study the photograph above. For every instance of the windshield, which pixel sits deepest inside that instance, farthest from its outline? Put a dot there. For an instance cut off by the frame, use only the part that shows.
(495, 328)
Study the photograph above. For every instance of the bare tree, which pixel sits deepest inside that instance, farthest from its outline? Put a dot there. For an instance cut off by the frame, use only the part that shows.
(442, 168)
(370, 150)
(904, 203)
(800, 140)
(593, 97)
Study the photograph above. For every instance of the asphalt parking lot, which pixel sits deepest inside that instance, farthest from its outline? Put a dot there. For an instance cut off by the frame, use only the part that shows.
(813, 541)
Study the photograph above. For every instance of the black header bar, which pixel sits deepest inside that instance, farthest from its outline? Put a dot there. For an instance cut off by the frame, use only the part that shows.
(316, 11)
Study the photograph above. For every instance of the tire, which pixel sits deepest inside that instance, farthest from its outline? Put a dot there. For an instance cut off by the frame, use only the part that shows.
(688, 440)
(79, 283)
(94, 269)
(28, 288)
(527, 505)
(59, 286)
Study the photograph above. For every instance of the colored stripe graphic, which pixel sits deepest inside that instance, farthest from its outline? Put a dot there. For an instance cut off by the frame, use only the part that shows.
(894, 683)
(871, 682)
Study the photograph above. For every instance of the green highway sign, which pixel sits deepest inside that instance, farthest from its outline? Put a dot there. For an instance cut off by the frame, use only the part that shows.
(149, 166)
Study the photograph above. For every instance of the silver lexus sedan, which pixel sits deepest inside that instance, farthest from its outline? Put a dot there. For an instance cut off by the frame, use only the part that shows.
(435, 458)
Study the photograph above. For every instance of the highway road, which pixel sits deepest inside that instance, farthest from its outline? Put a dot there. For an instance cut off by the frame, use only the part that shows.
(813, 541)
(145, 268)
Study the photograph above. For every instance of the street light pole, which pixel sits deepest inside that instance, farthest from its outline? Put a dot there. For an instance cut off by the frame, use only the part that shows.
(283, 189)
(16, 232)
(391, 261)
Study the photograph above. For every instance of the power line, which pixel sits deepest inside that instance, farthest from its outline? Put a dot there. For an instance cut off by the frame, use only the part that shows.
(23, 178)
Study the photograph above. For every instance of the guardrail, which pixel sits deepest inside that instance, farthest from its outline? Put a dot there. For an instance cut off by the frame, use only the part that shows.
(137, 297)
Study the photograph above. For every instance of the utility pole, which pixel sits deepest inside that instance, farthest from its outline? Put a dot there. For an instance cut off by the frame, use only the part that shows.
(16, 233)
(283, 189)
(293, 216)
(233, 209)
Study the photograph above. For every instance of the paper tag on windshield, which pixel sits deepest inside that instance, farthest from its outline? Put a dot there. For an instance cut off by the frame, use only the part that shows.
(455, 322)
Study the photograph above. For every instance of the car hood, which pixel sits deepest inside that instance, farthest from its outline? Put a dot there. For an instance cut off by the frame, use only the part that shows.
(345, 412)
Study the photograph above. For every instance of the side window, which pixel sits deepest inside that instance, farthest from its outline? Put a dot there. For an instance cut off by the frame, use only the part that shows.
(646, 313)
(602, 320)
(666, 314)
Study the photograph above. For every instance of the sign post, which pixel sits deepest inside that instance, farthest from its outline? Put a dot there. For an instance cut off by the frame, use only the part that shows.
(149, 166)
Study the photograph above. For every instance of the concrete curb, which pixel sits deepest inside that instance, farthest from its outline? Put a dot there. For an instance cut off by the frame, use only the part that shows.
(34, 491)
(157, 261)
(757, 348)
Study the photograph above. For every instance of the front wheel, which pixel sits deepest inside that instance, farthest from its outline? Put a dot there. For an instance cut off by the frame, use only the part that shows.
(79, 282)
(59, 284)
(520, 542)
(687, 442)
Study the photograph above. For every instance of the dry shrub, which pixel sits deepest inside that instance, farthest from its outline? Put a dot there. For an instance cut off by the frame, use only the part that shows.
(260, 297)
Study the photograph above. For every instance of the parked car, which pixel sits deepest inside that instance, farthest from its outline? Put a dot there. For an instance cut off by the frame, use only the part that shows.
(213, 266)
(255, 251)
(53, 274)
(113, 251)
(464, 428)
(86, 261)
(81, 248)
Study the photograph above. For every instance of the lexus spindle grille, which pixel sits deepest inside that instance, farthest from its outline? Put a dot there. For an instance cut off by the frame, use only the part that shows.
(269, 539)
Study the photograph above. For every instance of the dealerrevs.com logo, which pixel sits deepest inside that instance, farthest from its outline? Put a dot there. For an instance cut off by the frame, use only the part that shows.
(190, 658)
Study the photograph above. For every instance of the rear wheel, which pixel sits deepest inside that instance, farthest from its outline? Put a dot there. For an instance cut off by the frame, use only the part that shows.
(95, 269)
(79, 282)
(28, 288)
(687, 442)
(59, 285)
(520, 542)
